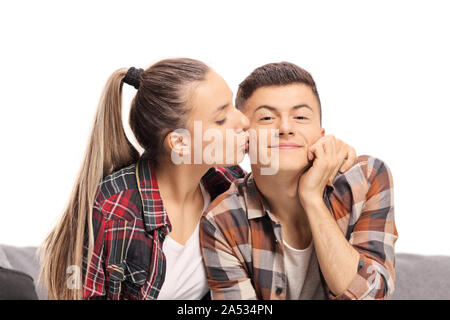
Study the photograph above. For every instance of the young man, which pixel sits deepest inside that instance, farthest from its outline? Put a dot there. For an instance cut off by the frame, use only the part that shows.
(307, 231)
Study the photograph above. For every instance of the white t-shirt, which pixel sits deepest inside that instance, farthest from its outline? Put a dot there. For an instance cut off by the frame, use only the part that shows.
(296, 264)
(185, 277)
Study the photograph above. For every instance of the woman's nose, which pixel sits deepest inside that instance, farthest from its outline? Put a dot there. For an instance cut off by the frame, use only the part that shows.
(244, 122)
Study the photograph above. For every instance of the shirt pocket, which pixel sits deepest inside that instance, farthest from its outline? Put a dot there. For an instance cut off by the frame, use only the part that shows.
(124, 277)
(115, 275)
(125, 280)
(135, 278)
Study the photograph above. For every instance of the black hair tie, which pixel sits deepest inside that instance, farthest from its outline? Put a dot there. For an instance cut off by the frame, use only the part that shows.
(133, 77)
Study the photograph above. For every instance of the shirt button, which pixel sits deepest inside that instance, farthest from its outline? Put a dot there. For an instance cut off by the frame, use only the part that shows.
(279, 290)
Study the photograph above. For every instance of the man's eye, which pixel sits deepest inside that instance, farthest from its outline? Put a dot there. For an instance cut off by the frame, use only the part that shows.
(301, 118)
(220, 122)
(265, 118)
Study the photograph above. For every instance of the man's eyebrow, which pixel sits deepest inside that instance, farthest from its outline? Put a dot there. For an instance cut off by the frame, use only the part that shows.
(275, 109)
(265, 107)
(302, 106)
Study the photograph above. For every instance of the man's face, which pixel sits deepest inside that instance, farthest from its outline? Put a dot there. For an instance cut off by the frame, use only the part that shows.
(293, 110)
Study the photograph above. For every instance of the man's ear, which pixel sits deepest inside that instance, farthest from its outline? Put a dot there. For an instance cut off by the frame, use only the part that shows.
(322, 132)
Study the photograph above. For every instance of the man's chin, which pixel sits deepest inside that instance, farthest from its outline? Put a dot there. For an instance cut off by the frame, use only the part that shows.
(292, 164)
(285, 169)
(293, 169)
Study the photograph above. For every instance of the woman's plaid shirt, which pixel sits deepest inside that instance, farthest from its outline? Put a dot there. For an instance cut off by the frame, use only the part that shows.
(242, 245)
(130, 224)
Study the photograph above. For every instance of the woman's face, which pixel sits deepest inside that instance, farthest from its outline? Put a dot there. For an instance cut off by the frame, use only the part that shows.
(217, 129)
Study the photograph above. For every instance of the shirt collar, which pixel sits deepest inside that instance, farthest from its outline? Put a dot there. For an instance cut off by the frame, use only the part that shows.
(257, 205)
(154, 214)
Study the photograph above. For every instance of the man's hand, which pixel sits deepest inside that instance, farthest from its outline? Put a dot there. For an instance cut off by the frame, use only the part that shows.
(338, 260)
(328, 156)
(345, 153)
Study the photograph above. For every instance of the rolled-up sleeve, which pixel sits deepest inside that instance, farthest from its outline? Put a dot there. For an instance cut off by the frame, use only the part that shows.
(374, 235)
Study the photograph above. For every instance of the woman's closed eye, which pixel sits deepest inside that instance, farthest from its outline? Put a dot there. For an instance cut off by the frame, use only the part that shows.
(221, 122)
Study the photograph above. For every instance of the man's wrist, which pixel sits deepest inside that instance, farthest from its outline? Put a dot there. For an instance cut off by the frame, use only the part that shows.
(311, 201)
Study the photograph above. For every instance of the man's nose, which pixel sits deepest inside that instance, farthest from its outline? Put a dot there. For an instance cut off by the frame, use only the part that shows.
(285, 128)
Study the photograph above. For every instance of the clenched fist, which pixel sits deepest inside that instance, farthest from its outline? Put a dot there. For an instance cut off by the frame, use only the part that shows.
(328, 155)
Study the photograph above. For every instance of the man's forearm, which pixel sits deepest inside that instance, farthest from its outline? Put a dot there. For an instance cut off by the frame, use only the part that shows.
(337, 258)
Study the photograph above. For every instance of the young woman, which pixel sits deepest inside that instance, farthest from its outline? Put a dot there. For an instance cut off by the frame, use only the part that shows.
(132, 222)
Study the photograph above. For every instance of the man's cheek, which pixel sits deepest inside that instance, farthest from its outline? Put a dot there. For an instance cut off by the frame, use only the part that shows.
(311, 140)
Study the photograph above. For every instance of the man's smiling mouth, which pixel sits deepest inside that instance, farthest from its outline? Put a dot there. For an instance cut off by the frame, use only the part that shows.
(286, 146)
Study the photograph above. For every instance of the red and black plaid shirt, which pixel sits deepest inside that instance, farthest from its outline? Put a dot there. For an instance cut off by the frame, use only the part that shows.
(129, 229)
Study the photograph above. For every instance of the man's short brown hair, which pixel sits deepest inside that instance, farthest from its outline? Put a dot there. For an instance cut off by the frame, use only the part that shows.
(275, 74)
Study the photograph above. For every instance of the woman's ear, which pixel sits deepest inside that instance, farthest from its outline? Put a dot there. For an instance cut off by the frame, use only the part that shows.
(178, 144)
(322, 132)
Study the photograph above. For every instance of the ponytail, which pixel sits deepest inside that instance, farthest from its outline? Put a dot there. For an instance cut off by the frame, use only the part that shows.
(108, 150)
(158, 108)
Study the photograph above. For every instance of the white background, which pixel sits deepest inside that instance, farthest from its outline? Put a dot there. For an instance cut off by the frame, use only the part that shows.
(382, 70)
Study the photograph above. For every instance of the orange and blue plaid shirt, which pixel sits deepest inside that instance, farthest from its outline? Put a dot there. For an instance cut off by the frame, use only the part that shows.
(129, 225)
(242, 245)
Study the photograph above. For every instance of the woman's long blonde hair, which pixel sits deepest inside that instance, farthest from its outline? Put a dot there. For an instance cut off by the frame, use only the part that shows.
(157, 108)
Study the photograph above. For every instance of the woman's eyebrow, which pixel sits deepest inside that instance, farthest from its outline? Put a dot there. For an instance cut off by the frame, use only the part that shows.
(221, 108)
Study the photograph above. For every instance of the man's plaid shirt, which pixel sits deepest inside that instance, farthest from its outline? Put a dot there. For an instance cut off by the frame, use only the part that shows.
(242, 245)
(129, 230)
